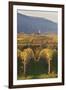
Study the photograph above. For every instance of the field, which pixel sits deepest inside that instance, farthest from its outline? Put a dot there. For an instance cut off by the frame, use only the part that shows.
(37, 56)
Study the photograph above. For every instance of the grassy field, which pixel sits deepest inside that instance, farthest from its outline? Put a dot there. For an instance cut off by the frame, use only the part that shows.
(37, 76)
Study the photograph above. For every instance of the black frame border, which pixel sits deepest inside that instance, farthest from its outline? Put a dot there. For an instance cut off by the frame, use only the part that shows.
(11, 3)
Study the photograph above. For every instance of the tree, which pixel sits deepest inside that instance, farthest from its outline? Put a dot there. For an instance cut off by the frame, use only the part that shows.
(47, 54)
(26, 56)
(23, 57)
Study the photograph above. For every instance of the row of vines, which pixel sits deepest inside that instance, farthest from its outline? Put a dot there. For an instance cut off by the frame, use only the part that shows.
(36, 60)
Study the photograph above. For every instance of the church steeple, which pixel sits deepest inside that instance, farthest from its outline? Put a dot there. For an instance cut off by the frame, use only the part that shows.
(39, 31)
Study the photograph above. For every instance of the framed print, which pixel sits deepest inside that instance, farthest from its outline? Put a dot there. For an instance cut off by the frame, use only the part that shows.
(36, 44)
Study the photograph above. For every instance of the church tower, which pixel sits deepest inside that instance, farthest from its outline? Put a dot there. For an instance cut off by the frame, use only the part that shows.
(39, 31)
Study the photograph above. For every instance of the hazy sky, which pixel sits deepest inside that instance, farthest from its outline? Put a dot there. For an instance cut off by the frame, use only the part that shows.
(50, 15)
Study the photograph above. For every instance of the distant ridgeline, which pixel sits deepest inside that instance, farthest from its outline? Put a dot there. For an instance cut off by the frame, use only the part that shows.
(30, 24)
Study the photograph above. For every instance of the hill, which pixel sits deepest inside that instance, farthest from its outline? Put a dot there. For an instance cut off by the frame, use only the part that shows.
(30, 24)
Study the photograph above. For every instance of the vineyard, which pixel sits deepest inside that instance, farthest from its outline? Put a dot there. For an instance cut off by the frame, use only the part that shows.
(37, 56)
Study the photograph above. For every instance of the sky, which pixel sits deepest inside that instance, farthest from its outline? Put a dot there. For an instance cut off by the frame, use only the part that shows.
(50, 15)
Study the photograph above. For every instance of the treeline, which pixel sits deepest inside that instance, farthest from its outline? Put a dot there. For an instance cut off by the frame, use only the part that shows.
(44, 41)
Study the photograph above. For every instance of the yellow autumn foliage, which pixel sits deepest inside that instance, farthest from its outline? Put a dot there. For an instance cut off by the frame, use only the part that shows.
(27, 54)
(18, 52)
(46, 53)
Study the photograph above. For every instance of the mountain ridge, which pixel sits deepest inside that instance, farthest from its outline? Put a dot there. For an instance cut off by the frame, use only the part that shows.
(30, 24)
